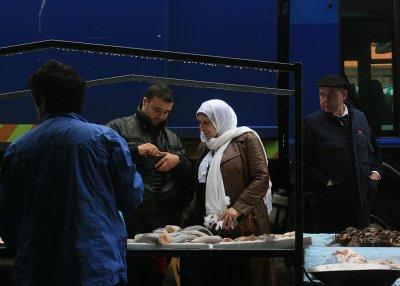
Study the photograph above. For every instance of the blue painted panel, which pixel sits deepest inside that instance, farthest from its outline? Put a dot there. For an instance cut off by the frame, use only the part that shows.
(314, 41)
(193, 132)
(18, 21)
(316, 12)
(317, 48)
(251, 108)
(224, 28)
(102, 103)
(229, 29)
(388, 142)
(120, 22)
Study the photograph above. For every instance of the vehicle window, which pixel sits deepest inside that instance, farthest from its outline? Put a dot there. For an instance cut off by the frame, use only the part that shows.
(366, 51)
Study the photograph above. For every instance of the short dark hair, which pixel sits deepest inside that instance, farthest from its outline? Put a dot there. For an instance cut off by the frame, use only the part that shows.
(60, 87)
(160, 90)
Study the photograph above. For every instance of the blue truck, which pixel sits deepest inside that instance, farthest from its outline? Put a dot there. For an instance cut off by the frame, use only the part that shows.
(358, 40)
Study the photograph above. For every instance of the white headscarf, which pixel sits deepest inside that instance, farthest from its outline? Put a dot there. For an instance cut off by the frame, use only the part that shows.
(224, 120)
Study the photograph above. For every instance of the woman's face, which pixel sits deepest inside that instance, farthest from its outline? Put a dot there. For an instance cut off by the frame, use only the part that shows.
(206, 126)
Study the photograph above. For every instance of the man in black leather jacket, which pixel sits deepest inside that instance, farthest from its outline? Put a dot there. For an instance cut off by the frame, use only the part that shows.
(161, 160)
(342, 161)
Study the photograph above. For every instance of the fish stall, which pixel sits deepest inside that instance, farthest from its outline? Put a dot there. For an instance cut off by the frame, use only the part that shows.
(198, 240)
(353, 257)
(191, 241)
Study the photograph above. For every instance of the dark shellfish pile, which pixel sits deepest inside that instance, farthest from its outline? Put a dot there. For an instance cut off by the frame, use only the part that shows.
(370, 237)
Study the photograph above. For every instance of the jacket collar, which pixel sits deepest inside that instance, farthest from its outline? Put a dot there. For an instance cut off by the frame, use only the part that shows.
(70, 115)
(349, 106)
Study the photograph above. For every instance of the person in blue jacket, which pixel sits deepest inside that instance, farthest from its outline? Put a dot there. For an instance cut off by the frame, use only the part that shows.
(62, 188)
(342, 161)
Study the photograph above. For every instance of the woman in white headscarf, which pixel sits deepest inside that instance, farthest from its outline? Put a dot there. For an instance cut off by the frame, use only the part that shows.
(232, 180)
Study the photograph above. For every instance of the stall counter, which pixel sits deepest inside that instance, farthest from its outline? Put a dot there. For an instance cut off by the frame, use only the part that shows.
(318, 253)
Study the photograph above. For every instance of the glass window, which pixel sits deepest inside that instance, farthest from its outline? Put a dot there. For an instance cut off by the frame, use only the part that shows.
(366, 51)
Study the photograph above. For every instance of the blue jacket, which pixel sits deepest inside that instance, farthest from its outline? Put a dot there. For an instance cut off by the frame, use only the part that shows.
(61, 186)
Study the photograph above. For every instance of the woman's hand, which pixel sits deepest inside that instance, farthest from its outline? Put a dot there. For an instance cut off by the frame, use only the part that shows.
(230, 217)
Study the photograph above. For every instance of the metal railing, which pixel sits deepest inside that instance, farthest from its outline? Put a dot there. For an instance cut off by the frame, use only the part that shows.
(295, 69)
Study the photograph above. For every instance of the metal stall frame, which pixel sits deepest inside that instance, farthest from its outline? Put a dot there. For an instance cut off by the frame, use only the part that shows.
(295, 69)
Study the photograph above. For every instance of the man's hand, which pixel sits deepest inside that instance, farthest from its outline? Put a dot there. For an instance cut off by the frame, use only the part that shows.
(148, 149)
(374, 176)
(168, 162)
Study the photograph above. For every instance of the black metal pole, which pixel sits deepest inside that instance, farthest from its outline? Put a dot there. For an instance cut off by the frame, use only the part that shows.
(396, 65)
(146, 53)
(283, 82)
(298, 174)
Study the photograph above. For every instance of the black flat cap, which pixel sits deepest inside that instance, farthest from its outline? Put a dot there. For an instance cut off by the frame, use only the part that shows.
(332, 80)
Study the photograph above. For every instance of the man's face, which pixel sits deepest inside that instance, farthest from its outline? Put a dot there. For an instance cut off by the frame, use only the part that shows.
(331, 99)
(156, 109)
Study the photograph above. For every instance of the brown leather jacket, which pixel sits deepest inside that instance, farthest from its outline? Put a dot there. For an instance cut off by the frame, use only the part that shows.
(246, 180)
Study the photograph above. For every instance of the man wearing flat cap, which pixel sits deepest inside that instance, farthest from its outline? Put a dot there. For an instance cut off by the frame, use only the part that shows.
(342, 161)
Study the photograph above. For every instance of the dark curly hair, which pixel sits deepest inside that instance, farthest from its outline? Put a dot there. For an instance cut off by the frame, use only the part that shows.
(59, 86)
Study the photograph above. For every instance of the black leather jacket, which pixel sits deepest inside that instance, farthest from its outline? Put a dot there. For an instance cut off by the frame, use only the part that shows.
(163, 191)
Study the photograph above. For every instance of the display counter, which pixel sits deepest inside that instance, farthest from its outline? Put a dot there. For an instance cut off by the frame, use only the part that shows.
(275, 248)
(318, 253)
(247, 248)
(278, 248)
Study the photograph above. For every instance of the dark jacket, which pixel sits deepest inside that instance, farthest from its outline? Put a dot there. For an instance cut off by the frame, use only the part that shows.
(345, 158)
(175, 187)
(246, 181)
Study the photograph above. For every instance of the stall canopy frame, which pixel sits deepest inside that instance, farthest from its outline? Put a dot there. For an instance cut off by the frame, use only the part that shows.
(295, 69)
